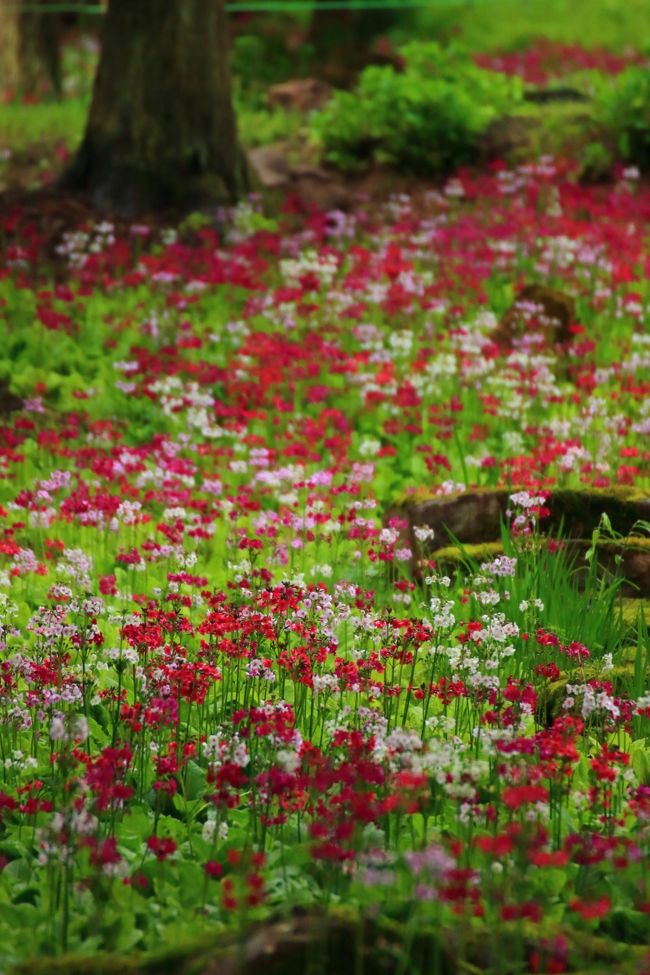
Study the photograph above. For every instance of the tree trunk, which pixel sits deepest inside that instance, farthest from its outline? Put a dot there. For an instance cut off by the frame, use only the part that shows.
(39, 52)
(30, 60)
(9, 64)
(161, 131)
(344, 41)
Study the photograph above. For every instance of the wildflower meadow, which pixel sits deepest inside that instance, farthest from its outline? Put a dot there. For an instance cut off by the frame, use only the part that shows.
(248, 683)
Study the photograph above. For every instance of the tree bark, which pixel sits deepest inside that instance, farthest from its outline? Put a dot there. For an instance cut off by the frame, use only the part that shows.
(343, 40)
(39, 52)
(161, 131)
(30, 58)
(9, 63)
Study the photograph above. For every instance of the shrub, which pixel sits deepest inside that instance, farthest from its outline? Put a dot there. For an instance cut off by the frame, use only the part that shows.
(624, 110)
(427, 118)
(263, 58)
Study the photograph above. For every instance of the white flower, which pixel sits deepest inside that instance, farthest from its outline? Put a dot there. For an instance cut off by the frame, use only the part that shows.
(423, 533)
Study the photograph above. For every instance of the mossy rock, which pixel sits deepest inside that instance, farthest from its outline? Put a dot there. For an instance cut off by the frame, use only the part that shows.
(456, 555)
(580, 511)
(551, 126)
(551, 699)
(556, 307)
(633, 553)
(633, 608)
(628, 557)
(304, 942)
(9, 402)
(314, 943)
(475, 515)
(475, 518)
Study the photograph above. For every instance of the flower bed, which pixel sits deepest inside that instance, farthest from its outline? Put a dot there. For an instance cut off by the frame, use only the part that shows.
(223, 693)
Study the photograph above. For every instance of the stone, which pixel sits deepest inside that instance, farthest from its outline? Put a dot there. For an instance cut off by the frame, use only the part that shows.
(320, 189)
(474, 519)
(633, 553)
(557, 312)
(315, 186)
(9, 402)
(507, 136)
(299, 95)
(555, 93)
(270, 165)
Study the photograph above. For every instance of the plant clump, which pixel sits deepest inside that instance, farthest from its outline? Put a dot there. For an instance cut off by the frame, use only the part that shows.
(427, 118)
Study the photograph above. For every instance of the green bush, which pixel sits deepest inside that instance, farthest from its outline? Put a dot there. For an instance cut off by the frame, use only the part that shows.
(427, 118)
(262, 59)
(624, 111)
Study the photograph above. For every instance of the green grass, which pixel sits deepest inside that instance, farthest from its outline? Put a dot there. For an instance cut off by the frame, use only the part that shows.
(489, 25)
(24, 126)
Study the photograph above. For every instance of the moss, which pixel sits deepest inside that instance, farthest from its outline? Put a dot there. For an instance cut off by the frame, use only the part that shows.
(557, 128)
(619, 494)
(624, 506)
(637, 543)
(420, 494)
(557, 306)
(631, 608)
(99, 964)
(458, 554)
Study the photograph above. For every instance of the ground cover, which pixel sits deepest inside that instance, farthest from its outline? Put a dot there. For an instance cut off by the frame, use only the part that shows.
(229, 687)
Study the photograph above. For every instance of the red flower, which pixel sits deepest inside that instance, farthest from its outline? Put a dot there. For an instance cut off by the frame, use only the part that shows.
(213, 869)
(515, 796)
(498, 846)
(542, 858)
(161, 846)
(591, 910)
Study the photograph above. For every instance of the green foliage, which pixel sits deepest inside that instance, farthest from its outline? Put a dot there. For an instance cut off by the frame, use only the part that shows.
(261, 126)
(512, 24)
(596, 162)
(426, 119)
(259, 60)
(624, 110)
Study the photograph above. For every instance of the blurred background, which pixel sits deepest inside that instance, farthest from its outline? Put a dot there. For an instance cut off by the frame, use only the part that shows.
(293, 64)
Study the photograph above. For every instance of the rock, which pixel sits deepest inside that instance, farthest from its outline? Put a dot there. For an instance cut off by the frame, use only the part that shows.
(550, 703)
(507, 136)
(344, 940)
(9, 402)
(270, 164)
(555, 93)
(318, 188)
(580, 510)
(633, 554)
(635, 565)
(556, 314)
(475, 516)
(474, 519)
(341, 939)
(315, 186)
(299, 95)
(471, 517)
